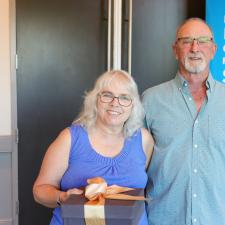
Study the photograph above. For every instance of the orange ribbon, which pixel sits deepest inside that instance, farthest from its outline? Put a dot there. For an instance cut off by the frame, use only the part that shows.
(97, 191)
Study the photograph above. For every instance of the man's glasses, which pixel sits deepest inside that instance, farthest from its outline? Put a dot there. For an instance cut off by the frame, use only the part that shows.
(188, 41)
(108, 97)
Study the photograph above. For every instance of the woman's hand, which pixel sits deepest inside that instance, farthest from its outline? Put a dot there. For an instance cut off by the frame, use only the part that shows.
(63, 196)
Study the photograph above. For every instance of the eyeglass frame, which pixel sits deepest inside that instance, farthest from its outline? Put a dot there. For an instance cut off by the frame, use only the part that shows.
(113, 97)
(209, 40)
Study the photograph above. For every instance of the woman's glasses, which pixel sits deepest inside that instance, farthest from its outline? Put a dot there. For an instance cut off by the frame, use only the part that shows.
(108, 97)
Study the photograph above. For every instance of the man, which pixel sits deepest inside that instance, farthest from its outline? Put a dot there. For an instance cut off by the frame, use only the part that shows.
(187, 119)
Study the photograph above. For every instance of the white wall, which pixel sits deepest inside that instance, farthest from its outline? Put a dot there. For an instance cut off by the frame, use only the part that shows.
(5, 84)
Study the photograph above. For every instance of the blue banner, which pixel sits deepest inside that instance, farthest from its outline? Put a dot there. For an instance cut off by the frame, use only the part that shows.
(215, 17)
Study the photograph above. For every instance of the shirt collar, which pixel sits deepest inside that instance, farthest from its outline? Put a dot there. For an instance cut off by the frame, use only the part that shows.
(182, 84)
(210, 83)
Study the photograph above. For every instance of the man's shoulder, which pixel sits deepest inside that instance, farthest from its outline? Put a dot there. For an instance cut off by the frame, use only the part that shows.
(220, 85)
(160, 89)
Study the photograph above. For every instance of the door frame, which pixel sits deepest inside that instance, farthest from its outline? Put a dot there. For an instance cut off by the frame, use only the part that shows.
(13, 143)
(15, 135)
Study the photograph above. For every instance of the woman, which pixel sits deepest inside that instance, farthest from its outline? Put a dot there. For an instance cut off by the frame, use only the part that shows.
(106, 140)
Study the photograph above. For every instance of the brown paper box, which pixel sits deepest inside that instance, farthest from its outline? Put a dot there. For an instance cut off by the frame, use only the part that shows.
(117, 212)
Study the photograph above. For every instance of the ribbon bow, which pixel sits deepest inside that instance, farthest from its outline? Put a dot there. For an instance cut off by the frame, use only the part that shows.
(97, 191)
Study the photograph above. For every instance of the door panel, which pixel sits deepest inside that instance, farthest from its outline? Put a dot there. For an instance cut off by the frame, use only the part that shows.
(61, 50)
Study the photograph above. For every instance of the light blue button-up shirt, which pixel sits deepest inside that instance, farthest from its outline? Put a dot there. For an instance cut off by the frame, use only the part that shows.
(187, 169)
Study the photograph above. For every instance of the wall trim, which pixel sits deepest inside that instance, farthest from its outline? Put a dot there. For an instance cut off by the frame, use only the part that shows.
(6, 144)
(6, 221)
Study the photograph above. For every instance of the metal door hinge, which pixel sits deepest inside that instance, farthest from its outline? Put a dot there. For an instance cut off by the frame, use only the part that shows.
(17, 207)
(16, 61)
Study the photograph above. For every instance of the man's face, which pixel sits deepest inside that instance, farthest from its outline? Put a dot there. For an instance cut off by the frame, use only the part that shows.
(194, 47)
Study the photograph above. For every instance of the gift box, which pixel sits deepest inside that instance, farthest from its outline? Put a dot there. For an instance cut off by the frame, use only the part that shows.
(117, 212)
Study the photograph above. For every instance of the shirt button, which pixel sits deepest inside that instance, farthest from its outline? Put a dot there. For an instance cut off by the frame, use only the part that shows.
(195, 170)
(194, 220)
(195, 146)
(195, 195)
(190, 98)
(196, 121)
(185, 84)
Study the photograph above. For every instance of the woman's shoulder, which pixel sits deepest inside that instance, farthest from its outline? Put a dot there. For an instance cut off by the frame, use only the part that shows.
(147, 141)
(76, 128)
(145, 132)
(146, 136)
(69, 133)
(77, 132)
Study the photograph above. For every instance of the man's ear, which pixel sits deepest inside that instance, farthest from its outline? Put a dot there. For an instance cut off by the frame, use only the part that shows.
(174, 47)
(214, 49)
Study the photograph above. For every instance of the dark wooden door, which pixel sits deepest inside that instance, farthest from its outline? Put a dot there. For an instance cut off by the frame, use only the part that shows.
(61, 47)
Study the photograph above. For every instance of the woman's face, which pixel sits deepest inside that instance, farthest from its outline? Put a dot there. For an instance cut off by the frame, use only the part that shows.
(114, 105)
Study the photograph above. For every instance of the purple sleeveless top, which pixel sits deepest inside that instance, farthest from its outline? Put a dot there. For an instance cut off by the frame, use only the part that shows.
(125, 169)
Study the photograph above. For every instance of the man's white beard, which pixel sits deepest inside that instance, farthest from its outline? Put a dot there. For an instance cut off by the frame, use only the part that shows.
(197, 67)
